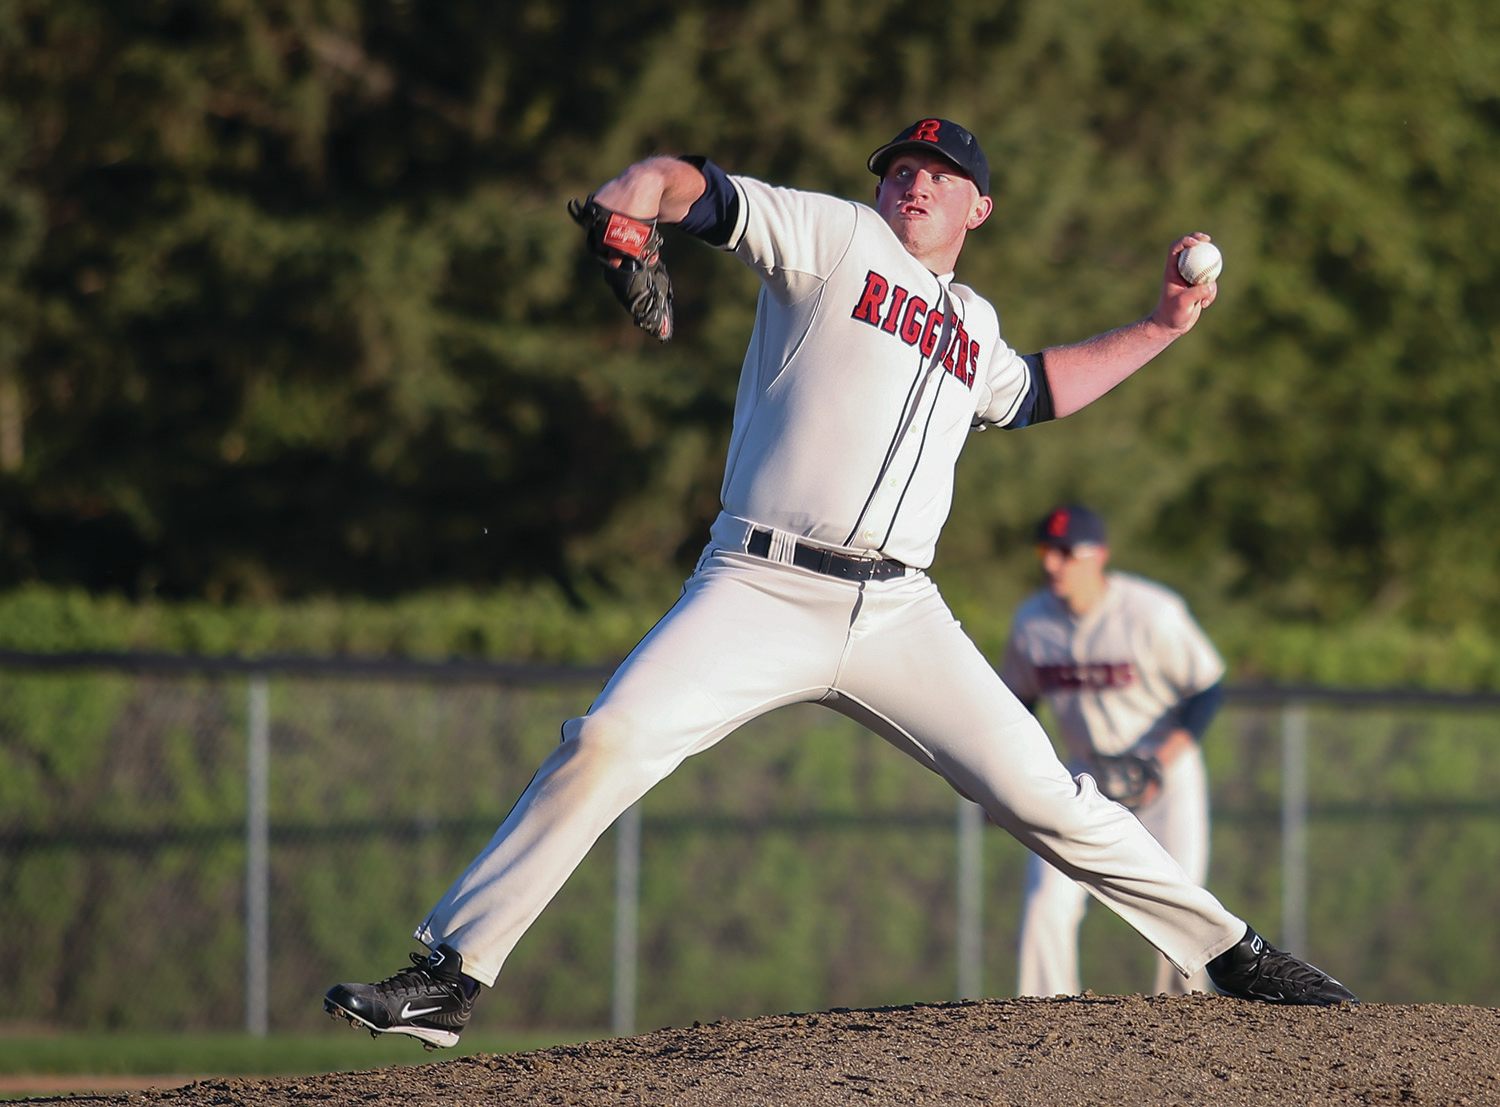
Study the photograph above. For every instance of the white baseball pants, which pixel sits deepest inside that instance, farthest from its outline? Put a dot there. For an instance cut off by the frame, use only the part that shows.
(1055, 904)
(749, 635)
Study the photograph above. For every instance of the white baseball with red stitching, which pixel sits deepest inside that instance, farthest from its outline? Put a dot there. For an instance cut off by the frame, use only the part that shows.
(1200, 263)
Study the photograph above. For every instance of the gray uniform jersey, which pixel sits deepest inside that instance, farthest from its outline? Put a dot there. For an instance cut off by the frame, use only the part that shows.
(1112, 678)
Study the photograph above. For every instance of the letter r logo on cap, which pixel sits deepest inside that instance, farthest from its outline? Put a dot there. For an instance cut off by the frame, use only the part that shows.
(927, 131)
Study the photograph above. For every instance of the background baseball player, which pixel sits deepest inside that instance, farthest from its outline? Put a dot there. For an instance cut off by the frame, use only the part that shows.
(1132, 683)
(867, 367)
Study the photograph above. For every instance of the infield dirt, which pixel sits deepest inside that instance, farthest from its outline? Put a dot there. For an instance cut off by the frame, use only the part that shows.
(1052, 1053)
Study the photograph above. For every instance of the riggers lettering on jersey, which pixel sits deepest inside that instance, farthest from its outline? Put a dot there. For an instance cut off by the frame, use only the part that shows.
(894, 310)
(1096, 674)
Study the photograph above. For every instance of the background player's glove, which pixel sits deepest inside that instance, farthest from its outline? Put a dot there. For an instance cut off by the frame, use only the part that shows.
(1128, 778)
(630, 251)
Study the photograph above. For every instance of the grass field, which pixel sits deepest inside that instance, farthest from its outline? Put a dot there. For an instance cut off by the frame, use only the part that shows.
(33, 1064)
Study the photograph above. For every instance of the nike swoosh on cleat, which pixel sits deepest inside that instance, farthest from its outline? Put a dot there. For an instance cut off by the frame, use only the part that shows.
(407, 1012)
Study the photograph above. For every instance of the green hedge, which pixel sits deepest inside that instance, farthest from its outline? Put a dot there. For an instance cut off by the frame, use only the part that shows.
(537, 624)
(543, 624)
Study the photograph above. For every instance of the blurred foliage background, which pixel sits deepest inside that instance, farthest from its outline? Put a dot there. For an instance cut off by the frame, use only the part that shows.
(291, 311)
(299, 353)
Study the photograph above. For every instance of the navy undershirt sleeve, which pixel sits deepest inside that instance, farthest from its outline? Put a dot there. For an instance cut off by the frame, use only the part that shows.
(712, 216)
(1197, 711)
(1037, 406)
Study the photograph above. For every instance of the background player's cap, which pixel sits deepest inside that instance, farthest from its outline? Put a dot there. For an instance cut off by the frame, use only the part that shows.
(943, 137)
(1071, 525)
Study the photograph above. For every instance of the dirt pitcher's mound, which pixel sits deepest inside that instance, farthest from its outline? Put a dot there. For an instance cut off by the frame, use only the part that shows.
(1052, 1053)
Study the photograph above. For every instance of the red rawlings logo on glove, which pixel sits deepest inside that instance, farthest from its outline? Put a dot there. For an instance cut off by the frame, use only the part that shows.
(627, 235)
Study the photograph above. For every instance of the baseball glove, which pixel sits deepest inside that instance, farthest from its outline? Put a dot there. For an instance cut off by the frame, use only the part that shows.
(630, 251)
(1128, 778)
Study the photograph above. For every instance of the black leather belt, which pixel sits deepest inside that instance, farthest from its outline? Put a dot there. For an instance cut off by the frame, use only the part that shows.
(829, 563)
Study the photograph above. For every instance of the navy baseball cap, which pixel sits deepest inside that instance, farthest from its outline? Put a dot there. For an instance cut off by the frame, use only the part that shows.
(1071, 525)
(943, 137)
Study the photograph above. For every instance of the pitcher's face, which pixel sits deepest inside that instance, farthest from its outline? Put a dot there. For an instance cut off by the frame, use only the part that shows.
(931, 206)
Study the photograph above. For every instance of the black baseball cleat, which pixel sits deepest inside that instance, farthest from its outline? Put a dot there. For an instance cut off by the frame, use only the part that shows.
(431, 1001)
(1252, 968)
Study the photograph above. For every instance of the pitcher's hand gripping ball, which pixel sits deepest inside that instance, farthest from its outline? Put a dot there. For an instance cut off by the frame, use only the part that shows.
(630, 251)
(1128, 778)
(1200, 263)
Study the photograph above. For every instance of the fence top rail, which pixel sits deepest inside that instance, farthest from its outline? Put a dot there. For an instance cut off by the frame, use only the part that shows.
(300, 665)
(526, 673)
(1272, 695)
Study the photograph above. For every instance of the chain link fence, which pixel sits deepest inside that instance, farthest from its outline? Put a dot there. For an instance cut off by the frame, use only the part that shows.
(203, 844)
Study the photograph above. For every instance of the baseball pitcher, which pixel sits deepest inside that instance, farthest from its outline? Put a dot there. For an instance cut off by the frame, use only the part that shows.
(867, 368)
(1132, 683)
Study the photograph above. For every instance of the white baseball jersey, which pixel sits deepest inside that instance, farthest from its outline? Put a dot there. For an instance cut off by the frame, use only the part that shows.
(863, 378)
(1114, 676)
